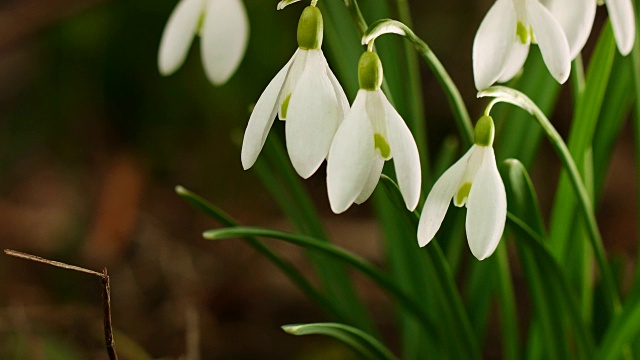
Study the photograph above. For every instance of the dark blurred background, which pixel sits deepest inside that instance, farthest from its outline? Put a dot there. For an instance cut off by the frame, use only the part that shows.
(93, 141)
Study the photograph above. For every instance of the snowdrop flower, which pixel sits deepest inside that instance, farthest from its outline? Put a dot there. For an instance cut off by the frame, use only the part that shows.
(501, 45)
(307, 95)
(372, 132)
(223, 27)
(473, 181)
(576, 18)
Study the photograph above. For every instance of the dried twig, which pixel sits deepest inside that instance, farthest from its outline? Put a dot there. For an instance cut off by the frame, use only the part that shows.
(106, 293)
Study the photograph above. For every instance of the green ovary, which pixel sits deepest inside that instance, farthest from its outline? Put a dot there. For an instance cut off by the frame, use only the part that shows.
(285, 107)
(463, 193)
(382, 145)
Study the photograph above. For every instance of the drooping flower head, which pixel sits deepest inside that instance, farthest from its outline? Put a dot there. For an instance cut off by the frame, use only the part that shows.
(577, 16)
(371, 133)
(223, 27)
(307, 95)
(501, 45)
(473, 181)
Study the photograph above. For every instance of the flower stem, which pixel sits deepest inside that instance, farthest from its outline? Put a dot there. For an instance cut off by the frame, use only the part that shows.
(456, 103)
(512, 96)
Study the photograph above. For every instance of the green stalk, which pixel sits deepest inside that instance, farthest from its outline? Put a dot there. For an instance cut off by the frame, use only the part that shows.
(461, 116)
(362, 343)
(413, 88)
(580, 139)
(345, 256)
(282, 264)
(503, 94)
(452, 304)
(555, 283)
(508, 311)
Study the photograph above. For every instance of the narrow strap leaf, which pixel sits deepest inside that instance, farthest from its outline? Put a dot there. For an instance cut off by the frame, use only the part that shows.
(285, 266)
(345, 256)
(362, 343)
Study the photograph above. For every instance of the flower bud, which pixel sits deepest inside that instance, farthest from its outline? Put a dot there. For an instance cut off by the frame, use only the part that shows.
(310, 29)
(370, 71)
(484, 131)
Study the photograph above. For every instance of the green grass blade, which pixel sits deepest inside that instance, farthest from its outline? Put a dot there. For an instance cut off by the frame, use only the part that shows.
(548, 324)
(282, 264)
(623, 329)
(455, 319)
(507, 301)
(360, 264)
(362, 343)
(412, 91)
(406, 267)
(580, 139)
(619, 98)
(553, 283)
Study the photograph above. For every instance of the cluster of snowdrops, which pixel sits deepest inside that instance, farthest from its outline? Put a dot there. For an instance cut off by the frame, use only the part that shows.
(356, 140)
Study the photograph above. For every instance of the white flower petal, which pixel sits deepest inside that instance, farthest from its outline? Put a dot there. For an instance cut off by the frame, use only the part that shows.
(517, 58)
(262, 118)
(312, 118)
(576, 18)
(178, 35)
(405, 155)
(298, 65)
(551, 40)
(486, 208)
(342, 97)
(225, 34)
(351, 157)
(439, 199)
(376, 108)
(493, 42)
(372, 180)
(623, 23)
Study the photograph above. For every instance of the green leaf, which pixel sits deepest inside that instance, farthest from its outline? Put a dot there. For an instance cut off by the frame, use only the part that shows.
(624, 328)
(580, 139)
(548, 325)
(619, 98)
(362, 343)
(340, 254)
(546, 278)
(448, 307)
(507, 309)
(282, 264)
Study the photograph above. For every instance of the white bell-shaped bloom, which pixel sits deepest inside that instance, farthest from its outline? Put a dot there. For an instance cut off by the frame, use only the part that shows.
(577, 16)
(371, 133)
(473, 181)
(501, 45)
(223, 27)
(307, 95)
